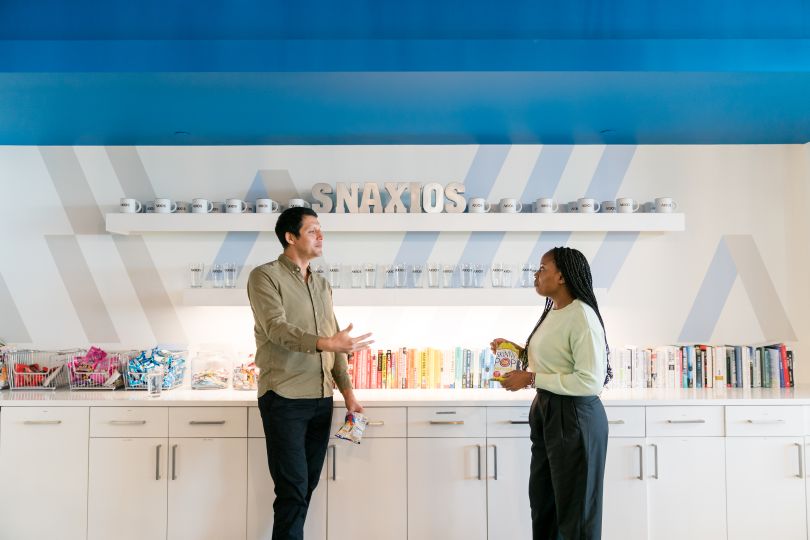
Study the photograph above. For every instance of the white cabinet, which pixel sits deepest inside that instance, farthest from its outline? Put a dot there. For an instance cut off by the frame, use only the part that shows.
(508, 511)
(260, 490)
(765, 488)
(624, 511)
(128, 491)
(447, 498)
(686, 488)
(43, 470)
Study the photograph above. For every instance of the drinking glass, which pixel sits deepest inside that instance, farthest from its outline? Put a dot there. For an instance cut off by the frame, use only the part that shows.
(230, 275)
(417, 272)
(218, 276)
(196, 274)
(334, 276)
(466, 275)
(318, 269)
(401, 274)
(447, 276)
(154, 381)
(371, 275)
(478, 275)
(434, 271)
(390, 276)
(506, 277)
(357, 276)
(527, 275)
(495, 273)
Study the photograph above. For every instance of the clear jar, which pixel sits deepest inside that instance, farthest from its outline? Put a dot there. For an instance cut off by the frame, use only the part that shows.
(246, 375)
(210, 371)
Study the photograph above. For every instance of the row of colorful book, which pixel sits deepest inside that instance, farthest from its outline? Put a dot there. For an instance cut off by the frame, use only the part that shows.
(423, 368)
(703, 366)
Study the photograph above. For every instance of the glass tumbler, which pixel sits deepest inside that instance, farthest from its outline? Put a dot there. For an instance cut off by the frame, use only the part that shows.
(390, 276)
(478, 275)
(417, 273)
(466, 275)
(196, 275)
(230, 275)
(357, 276)
(506, 277)
(318, 269)
(334, 276)
(370, 275)
(154, 381)
(401, 274)
(447, 276)
(218, 276)
(434, 270)
(495, 274)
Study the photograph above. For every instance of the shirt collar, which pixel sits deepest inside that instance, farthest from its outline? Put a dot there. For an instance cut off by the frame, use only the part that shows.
(290, 265)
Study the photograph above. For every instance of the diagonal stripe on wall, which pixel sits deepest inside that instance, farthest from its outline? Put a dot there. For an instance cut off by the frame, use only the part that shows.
(12, 327)
(82, 289)
(131, 173)
(73, 190)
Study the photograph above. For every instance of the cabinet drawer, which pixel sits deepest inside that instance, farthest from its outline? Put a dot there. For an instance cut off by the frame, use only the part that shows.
(763, 420)
(625, 421)
(508, 422)
(129, 421)
(208, 422)
(698, 421)
(18, 420)
(446, 422)
(382, 421)
(255, 426)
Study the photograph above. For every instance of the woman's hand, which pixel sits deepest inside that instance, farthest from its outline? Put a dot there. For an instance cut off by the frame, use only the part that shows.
(497, 341)
(516, 380)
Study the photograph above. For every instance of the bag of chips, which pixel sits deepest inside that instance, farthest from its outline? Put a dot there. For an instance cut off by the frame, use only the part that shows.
(353, 428)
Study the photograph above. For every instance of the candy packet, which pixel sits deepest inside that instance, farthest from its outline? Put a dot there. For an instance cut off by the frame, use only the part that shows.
(353, 428)
(507, 359)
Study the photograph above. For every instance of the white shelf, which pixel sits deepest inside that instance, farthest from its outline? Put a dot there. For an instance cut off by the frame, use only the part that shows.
(385, 297)
(156, 223)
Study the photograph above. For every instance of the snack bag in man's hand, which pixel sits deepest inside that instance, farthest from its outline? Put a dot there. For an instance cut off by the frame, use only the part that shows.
(507, 359)
(353, 428)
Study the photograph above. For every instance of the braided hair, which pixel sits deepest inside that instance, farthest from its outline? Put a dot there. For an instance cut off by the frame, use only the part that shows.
(576, 272)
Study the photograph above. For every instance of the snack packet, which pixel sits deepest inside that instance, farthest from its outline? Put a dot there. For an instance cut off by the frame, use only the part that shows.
(507, 359)
(353, 428)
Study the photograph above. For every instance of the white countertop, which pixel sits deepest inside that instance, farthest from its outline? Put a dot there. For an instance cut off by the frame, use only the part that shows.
(412, 398)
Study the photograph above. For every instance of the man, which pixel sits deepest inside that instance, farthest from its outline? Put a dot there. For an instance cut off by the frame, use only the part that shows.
(301, 354)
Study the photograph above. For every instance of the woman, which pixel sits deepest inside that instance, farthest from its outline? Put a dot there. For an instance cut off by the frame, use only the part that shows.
(567, 356)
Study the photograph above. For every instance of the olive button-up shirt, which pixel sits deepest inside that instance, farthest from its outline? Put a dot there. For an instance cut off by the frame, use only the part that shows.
(291, 312)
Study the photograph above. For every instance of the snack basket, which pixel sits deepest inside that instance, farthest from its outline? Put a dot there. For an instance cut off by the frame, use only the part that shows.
(173, 363)
(38, 370)
(98, 369)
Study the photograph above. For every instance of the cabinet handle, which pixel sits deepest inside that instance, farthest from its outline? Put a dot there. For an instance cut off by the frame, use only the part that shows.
(157, 462)
(174, 462)
(616, 422)
(640, 462)
(206, 422)
(478, 446)
(127, 422)
(42, 422)
(695, 421)
(655, 456)
(800, 448)
(334, 462)
(495, 461)
(766, 421)
(447, 422)
(377, 423)
(518, 421)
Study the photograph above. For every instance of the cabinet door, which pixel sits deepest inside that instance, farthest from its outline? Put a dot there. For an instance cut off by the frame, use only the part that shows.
(624, 511)
(367, 495)
(261, 496)
(508, 461)
(127, 478)
(686, 487)
(765, 495)
(43, 471)
(207, 488)
(447, 489)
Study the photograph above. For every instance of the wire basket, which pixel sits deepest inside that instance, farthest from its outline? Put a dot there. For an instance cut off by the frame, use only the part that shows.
(3, 370)
(37, 370)
(172, 362)
(98, 370)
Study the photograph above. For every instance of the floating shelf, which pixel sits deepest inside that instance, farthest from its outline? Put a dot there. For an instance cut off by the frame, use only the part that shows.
(385, 297)
(157, 223)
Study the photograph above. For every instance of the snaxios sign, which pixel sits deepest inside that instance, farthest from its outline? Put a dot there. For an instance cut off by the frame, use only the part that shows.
(396, 197)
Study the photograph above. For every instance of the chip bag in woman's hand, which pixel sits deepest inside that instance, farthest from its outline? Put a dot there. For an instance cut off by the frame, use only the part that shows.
(353, 428)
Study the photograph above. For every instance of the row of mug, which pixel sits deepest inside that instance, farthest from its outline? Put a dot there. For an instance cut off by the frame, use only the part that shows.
(204, 206)
(624, 205)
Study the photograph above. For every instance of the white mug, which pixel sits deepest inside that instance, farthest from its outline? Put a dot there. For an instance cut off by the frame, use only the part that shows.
(478, 205)
(235, 206)
(573, 207)
(608, 207)
(266, 206)
(546, 206)
(588, 206)
(297, 203)
(218, 208)
(626, 205)
(510, 206)
(665, 205)
(130, 206)
(165, 206)
(201, 206)
(183, 207)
